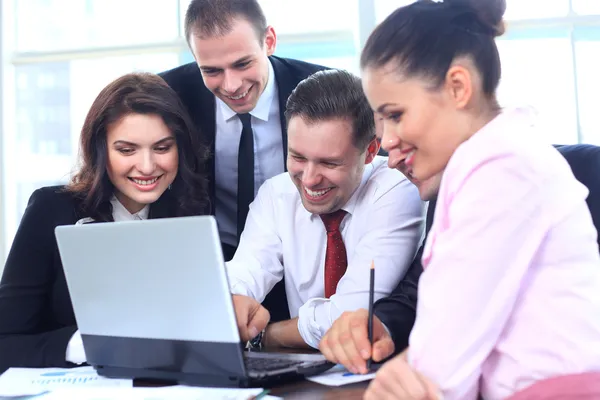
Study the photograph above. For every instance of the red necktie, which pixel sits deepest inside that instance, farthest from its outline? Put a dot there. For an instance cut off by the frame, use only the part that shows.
(336, 260)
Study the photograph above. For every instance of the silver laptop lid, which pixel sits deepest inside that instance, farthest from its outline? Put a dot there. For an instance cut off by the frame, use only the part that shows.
(154, 279)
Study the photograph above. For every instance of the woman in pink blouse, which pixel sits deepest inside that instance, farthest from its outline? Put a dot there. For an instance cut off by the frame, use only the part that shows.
(510, 293)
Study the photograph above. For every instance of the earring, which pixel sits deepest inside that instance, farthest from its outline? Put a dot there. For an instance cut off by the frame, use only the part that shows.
(169, 186)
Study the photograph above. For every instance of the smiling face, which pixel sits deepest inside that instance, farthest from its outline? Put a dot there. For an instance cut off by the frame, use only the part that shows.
(142, 159)
(420, 126)
(324, 163)
(235, 67)
(423, 125)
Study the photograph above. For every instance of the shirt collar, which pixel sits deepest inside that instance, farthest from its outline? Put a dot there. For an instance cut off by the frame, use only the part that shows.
(263, 106)
(120, 213)
(506, 120)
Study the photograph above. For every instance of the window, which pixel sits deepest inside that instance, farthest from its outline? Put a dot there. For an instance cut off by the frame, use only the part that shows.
(58, 54)
(383, 8)
(515, 10)
(535, 9)
(62, 57)
(586, 7)
(309, 36)
(51, 101)
(326, 37)
(587, 48)
(549, 62)
(545, 82)
(64, 52)
(55, 25)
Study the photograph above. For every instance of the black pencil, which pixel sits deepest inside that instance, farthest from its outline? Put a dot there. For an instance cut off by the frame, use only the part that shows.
(371, 294)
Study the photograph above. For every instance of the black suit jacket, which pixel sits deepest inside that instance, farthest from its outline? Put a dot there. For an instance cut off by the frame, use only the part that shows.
(200, 102)
(584, 160)
(36, 315)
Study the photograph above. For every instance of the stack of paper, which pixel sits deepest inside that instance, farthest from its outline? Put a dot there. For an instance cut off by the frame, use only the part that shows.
(83, 383)
(338, 376)
(170, 392)
(32, 381)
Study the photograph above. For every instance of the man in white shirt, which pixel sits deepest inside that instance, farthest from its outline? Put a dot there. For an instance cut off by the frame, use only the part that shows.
(342, 209)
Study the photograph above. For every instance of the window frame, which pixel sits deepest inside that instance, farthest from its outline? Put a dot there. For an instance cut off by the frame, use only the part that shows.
(366, 22)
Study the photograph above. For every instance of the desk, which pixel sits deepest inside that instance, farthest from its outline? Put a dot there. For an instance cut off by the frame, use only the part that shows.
(301, 390)
(304, 389)
(309, 390)
(313, 391)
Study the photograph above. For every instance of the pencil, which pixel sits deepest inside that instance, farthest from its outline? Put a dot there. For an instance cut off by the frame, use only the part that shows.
(371, 294)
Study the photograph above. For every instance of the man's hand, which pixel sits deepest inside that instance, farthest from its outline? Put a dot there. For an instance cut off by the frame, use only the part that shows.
(347, 341)
(397, 380)
(251, 316)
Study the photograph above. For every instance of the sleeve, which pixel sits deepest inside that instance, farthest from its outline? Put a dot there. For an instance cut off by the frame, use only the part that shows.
(392, 232)
(25, 292)
(492, 225)
(75, 351)
(258, 261)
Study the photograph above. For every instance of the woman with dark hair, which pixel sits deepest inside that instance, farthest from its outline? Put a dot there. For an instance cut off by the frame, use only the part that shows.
(138, 160)
(510, 293)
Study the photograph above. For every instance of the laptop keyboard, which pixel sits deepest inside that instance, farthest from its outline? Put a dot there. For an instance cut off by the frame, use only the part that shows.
(269, 364)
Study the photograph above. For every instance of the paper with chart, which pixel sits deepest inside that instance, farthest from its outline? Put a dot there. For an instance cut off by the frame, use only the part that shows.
(157, 393)
(338, 376)
(30, 381)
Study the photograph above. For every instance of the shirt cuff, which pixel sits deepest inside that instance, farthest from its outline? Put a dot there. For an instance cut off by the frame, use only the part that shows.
(75, 351)
(310, 331)
(239, 288)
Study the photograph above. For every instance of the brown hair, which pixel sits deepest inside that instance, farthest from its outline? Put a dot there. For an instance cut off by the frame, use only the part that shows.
(210, 18)
(334, 94)
(141, 93)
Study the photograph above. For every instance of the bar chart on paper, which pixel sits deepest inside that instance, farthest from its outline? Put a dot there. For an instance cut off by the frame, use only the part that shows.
(30, 381)
(61, 378)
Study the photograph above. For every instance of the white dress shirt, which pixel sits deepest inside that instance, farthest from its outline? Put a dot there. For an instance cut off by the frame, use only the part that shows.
(268, 154)
(75, 351)
(384, 224)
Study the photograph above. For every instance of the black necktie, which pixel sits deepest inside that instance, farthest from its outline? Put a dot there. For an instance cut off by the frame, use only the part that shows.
(245, 193)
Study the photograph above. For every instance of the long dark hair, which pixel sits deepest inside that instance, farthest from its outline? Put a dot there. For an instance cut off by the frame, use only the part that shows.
(140, 93)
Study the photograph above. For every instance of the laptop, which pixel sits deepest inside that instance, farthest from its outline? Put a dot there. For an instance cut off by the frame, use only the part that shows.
(152, 301)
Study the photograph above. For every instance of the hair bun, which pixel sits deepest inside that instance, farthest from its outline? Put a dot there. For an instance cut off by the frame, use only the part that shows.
(490, 12)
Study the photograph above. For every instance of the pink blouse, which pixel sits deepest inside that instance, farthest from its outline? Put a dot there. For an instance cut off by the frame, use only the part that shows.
(510, 292)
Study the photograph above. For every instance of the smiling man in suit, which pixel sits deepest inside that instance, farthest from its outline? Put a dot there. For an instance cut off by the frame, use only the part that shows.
(236, 92)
